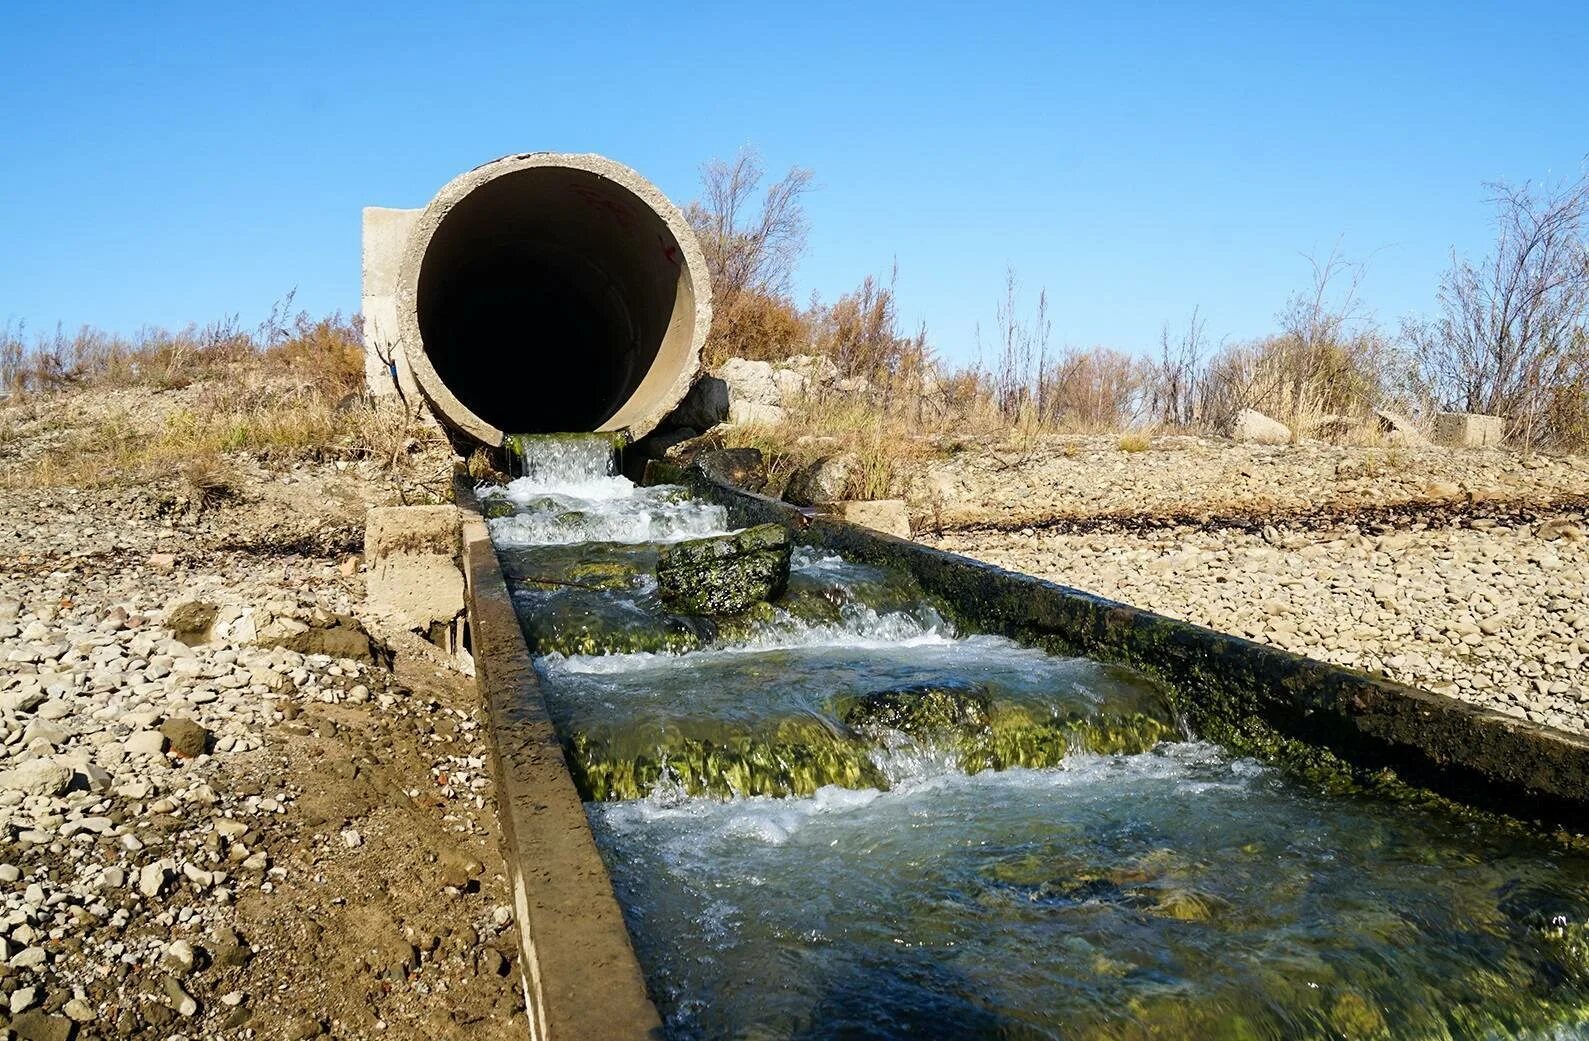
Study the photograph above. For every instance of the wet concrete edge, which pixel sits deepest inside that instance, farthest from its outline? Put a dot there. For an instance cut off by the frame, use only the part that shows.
(1232, 690)
(581, 977)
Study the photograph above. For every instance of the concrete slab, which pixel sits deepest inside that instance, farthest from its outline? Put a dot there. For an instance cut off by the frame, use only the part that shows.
(412, 553)
(886, 515)
(1469, 430)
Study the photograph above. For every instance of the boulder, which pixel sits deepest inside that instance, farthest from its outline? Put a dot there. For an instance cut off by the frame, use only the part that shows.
(1256, 428)
(37, 777)
(184, 737)
(754, 396)
(740, 467)
(725, 574)
(825, 480)
(922, 711)
(1469, 430)
(705, 406)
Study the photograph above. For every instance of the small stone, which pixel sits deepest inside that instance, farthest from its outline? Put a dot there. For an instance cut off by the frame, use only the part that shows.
(152, 879)
(178, 957)
(181, 1001)
(187, 738)
(29, 958)
(23, 998)
(37, 1025)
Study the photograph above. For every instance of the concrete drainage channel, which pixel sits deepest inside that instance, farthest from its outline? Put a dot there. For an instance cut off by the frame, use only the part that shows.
(443, 295)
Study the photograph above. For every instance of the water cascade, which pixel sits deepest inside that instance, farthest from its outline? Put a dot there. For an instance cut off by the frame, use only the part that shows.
(834, 815)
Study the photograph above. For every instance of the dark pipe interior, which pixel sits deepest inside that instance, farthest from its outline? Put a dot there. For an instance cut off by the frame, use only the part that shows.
(544, 298)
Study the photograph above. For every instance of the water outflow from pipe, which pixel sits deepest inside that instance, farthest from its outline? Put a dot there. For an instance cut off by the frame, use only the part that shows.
(837, 816)
(548, 292)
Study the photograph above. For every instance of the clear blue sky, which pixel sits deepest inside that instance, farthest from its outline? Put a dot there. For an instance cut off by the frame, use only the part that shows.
(173, 162)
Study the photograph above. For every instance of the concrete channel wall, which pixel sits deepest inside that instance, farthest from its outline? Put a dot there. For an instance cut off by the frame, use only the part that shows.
(1247, 696)
(582, 981)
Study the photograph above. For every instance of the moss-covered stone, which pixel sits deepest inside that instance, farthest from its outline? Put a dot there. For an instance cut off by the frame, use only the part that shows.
(725, 574)
(496, 506)
(795, 757)
(587, 621)
(922, 711)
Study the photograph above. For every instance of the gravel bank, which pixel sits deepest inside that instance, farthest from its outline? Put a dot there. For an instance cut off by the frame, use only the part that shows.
(1493, 614)
(229, 806)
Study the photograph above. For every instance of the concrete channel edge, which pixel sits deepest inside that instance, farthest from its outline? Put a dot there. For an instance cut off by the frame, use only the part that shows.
(581, 977)
(1246, 695)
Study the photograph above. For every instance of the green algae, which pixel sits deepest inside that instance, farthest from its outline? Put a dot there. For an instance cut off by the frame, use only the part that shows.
(796, 757)
(725, 574)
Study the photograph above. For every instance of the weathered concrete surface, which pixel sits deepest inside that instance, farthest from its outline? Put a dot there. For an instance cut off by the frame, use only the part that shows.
(1253, 698)
(1469, 430)
(385, 236)
(412, 556)
(581, 976)
(548, 292)
(890, 516)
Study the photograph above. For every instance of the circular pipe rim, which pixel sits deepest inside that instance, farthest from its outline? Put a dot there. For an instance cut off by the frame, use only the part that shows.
(441, 398)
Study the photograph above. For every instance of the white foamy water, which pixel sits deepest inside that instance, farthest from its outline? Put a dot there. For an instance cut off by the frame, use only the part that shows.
(569, 494)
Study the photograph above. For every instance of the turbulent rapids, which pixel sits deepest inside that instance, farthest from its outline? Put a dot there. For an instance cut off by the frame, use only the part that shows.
(831, 814)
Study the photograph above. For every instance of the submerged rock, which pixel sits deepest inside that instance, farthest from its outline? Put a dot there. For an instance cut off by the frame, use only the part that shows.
(922, 711)
(725, 574)
(794, 757)
(588, 621)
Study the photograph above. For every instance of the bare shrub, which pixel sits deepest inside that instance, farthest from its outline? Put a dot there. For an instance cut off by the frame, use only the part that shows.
(1329, 360)
(751, 250)
(1172, 383)
(1510, 338)
(1093, 390)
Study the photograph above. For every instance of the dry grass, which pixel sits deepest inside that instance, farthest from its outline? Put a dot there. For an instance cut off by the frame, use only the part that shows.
(182, 405)
(1136, 441)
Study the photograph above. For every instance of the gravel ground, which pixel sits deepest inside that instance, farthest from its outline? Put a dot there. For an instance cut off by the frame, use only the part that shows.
(229, 805)
(1494, 614)
(1090, 477)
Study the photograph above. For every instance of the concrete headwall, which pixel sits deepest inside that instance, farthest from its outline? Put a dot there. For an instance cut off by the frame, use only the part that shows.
(385, 237)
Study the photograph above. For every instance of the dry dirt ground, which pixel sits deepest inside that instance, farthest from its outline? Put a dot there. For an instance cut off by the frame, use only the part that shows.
(206, 836)
(1460, 571)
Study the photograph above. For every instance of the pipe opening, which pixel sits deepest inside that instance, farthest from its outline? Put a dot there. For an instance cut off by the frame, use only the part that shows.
(551, 299)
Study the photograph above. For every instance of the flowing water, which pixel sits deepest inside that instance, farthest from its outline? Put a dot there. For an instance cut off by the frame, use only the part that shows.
(836, 817)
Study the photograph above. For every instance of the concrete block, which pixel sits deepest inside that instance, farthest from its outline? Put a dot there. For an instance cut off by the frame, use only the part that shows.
(385, 237)
(890, 516)
(413, 565)
(1469, 430)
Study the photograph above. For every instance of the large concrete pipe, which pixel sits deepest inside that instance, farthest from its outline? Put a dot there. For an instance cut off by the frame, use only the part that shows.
(539, 293)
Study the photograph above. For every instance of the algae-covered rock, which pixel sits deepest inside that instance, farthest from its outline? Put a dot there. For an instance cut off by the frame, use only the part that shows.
(725, 574)
(794, 757)
(921, 711)
(496, 506)
(587, 621)
(594, 565)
